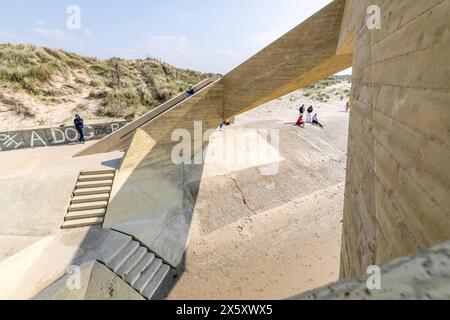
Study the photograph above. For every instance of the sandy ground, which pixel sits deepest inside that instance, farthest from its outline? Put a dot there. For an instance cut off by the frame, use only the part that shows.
(257, 237)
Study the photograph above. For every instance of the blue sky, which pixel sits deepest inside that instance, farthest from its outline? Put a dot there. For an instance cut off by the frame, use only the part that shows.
(210, 36)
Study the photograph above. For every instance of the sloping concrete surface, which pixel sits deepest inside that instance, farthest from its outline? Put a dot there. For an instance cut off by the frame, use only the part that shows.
(106, 285)
(62, 290)
(36, 187)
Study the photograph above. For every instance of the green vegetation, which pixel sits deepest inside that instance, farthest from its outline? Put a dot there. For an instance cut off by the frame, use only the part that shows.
(324, 89)
(120, 88)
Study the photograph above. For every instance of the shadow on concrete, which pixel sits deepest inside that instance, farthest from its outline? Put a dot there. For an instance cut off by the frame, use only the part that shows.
(114, 164)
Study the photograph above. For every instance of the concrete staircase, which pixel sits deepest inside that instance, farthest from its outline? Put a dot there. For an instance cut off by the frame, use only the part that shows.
(140, 268)
(90, 199)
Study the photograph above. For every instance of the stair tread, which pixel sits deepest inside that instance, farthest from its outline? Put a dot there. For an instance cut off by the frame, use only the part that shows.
(82, 223)
(137, 271)
(89, 191)
(114, 243)
(123, 256)
(90, 172)
(91, 198)
(95, 213)
(131, 262)
(94, 184)
(156, 281)
(147, 275)
(88, 206)
(96, 177)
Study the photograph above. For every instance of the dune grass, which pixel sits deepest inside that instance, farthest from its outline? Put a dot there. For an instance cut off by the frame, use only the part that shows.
(123, 88)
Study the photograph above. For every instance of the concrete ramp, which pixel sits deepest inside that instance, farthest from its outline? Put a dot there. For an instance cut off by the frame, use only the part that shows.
(121, 138)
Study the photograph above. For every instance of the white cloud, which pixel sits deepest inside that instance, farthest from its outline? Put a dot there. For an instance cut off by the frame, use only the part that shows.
(40, 23)
(87, 32)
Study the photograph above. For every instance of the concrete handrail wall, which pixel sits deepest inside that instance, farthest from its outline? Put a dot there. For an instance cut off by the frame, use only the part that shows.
(116, 139)
(44, 137)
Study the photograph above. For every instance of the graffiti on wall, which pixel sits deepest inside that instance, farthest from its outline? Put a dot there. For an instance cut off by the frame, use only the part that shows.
(54, 136)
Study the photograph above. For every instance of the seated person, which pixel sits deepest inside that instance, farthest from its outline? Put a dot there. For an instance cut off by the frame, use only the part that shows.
(190, 91)
(315, 121)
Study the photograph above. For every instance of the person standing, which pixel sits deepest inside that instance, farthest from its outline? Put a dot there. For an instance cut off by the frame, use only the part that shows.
(300, 122)
(309, 116)
(302, 110)
(79, 125)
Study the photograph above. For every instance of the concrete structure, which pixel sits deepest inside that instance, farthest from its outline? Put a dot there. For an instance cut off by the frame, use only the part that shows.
(423, 275)
(398, 178)
(90, 198)
(398, 182)
(54, 136)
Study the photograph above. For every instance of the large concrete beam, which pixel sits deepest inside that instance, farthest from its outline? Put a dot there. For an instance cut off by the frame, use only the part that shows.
(301, 57)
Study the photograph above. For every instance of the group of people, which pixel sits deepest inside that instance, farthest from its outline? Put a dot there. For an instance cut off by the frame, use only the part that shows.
(310, 118)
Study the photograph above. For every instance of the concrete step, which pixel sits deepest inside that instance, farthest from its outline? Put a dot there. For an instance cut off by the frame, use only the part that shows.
(123, 256)
(147, 275)
(137, 271)
(156, 281)
(131, 262)
(91, 198)
(96, 213)
(94, 184)
(91, 191)
(82, 223)
(114, 243)
(88, 206)
(166, 286)
(96, 177)
(93, 172)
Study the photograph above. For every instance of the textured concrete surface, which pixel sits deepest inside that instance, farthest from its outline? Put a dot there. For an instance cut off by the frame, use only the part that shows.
(44, 137)
(398, 178)
(41, 270)
(97, 282)
(36, 188)
(106, 285)
(421, 276)
(62, 289)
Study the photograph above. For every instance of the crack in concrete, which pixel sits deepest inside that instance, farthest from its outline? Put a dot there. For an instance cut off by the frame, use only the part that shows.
(244, 200)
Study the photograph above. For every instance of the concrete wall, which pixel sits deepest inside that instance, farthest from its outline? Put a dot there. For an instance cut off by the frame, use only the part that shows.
(54, 136)
(398, 177)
